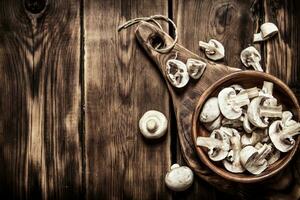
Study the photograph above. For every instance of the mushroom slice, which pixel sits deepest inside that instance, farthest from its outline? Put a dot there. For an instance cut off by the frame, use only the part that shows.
(195, 68)
(248, 127)
(251, 139)
(233, 164)
(273, 156)
(153, 124)
(281, 134)
(176, 72)
(253, 113)
(267, 30)
(250, 57)
(236, 123)
(267, 89)
(252, 92)
(255, 160)
(214, 50)
(179, 178)
(210, 110)
(270, 111)
(230, 103)
(218, 144)
(214, 124)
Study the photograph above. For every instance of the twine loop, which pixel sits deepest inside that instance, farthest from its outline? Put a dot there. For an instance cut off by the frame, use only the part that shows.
(153, 19)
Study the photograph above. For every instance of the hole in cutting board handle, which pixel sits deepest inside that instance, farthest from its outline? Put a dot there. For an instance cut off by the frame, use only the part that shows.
(156, 41)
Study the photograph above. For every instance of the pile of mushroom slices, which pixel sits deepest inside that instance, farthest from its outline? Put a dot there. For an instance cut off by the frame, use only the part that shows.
(249, 129)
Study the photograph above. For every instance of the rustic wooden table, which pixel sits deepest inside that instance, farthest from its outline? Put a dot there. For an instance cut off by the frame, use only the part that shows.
(73, 89)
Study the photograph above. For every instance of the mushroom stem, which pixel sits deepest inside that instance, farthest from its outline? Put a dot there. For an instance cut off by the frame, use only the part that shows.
(290, 131)
(239, 100)
(210, 143)
(256, 66)
(263, 152)
(270, 111)
(268, 88)
(252, 92)
(208, 47)
(151, 125)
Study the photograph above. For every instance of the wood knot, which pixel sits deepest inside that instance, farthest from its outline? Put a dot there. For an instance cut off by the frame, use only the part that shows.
(35, 6)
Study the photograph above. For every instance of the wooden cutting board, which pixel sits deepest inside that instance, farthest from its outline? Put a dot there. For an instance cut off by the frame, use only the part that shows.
(184, 102)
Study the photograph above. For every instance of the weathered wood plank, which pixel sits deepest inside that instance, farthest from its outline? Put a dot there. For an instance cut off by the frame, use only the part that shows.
(230, 22)
(282, 59)
(121, 83)
(40, 99)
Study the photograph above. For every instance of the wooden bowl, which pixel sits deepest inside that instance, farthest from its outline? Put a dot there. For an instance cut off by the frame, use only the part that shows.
(247, 79)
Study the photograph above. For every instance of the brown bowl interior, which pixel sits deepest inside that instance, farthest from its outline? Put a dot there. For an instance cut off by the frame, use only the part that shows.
(247, 79)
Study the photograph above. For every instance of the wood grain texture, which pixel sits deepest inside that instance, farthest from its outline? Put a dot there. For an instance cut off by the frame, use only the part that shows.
(281, 55)
(121, 83)
(40, 100)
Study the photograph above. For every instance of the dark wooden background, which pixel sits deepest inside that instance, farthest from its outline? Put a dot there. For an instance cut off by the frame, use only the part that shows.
(72, 90)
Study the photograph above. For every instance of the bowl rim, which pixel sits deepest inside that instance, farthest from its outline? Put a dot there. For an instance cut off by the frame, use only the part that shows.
(202, 155)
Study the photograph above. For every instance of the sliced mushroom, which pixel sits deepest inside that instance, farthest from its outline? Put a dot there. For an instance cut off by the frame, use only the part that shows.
(253, 113)
(251, 57)
(176, 72)
(153, 124)
(255, 160)
(236, 123)
(230, 103)
(248, 127)
(273, 156)
(252, 92)
(179, 178)
(267, 90)
(251, 139)
(195, 68)
(214, 124)
(237, 87)
(218, 144)
(233, 164)
(214, 50)
(282, 133)
(210, 110)
(270, 111)
(267, 30)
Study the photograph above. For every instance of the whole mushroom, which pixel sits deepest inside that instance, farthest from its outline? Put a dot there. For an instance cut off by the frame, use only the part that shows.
(153, 124)
(210, 110)
(176, 72)
(179, 178)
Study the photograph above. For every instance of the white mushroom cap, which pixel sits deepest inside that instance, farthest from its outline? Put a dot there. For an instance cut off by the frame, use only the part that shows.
(226, 106)
(153, 124)
(179, 178)
(214, 49)
(253, 113)
(195, 68)
(251, 57)
(177, 74)
(210, 110)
